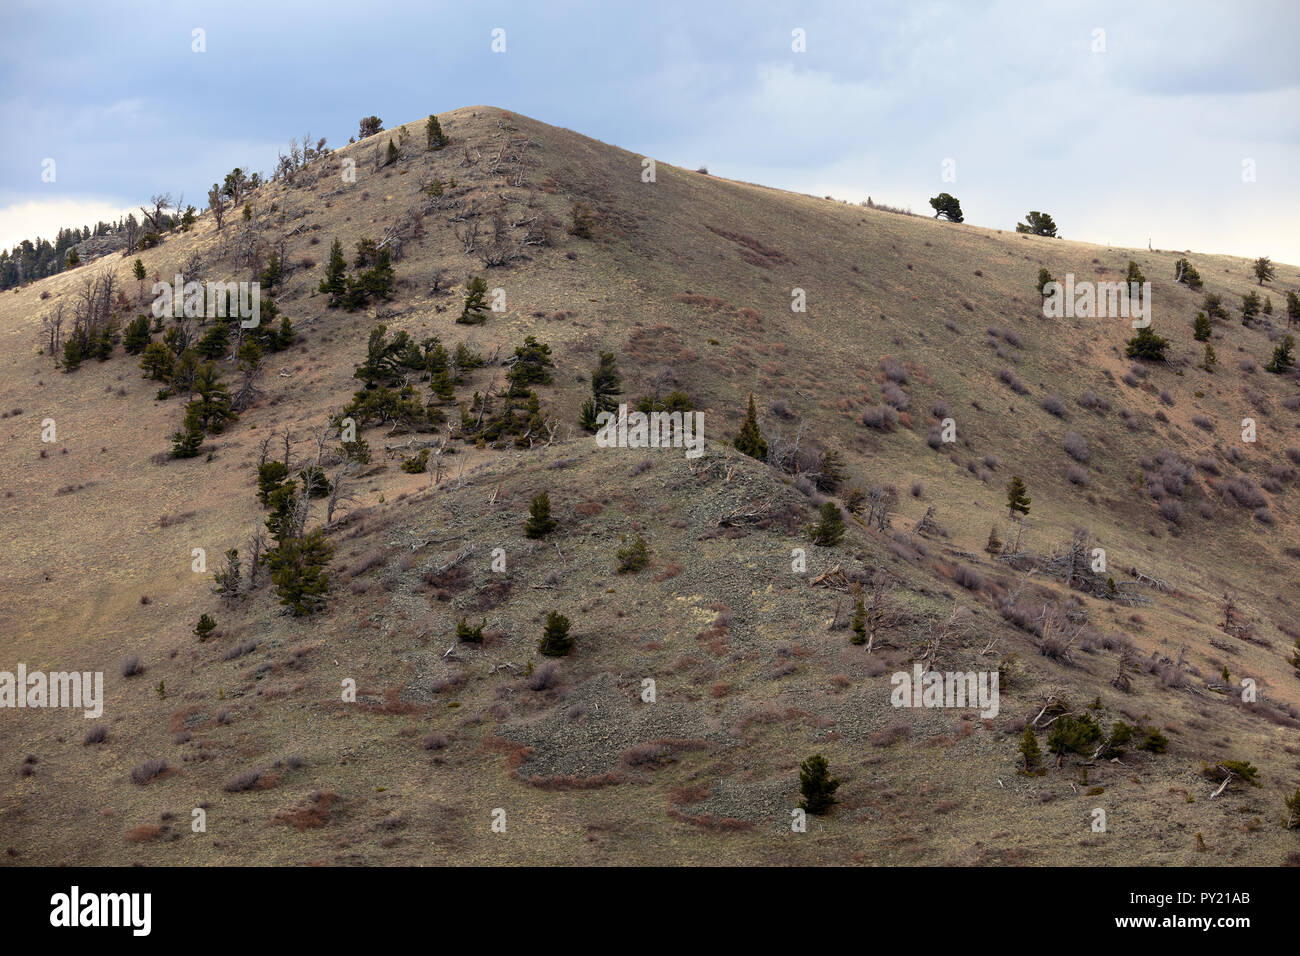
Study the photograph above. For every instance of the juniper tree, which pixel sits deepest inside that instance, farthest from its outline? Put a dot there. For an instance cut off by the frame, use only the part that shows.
(555, 641)
(830, 528)
(816, 785)
(859, 620)
(475, 309)
(540, 523)
(467, 634)
(750, 441)
(1017, 497)
(1030, 753)
(633, 557)
(1044, 277)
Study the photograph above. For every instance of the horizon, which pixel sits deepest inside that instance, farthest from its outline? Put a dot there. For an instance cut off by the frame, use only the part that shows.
(1208, 95)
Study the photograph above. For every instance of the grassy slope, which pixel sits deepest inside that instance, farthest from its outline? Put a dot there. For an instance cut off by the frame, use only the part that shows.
(76, 565)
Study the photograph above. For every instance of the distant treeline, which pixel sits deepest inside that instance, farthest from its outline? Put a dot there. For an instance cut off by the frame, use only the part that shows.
(30, 260)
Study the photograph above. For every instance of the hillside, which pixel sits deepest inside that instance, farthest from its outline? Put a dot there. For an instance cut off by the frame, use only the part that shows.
(688, 281)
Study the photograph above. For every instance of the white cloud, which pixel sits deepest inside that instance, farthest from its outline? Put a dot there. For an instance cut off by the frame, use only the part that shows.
(45, 217)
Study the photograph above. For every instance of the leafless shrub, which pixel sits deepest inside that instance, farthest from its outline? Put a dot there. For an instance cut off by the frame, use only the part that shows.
(131, 667)
(240, 782)
(1244, 492)
(1093, 402)
(1053, 405)
(1012, 381)
(895, 397)
(1203, 421)
(1264, 516)
(1076, 447)
(893, 370)
(1077, 476)
(544, 677)
(880, 417)
(148, 770)
(239, 650)
(97, 734)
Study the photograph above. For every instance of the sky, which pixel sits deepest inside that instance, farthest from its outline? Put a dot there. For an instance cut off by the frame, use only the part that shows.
(1171, 123)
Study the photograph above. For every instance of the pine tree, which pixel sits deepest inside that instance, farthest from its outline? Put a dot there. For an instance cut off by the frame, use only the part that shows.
(1147, 345)
(433, 134)
(137, 336)
(273, 275)
(1283, 358)
(1210, 359)
(1134, 274)
(830, 528)
(1250, 305)
(475, 309)
(298, 572)
(1201, 327)
(948, 206)
(335, 282)
(138, 270)
(606, 383)
(816, 785)
(377, 282)
(157, 362)
(393, 154)
(540, 523)
(203, 630)
(1029, 750)
(187, 441)
(1292, 309)
(1044, 277)
(555, 641)
(228, 576)
(750, 441)
(1017, 497)
(1264, 269)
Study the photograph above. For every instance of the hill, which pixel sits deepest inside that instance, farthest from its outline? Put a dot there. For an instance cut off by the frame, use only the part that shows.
(913, 328)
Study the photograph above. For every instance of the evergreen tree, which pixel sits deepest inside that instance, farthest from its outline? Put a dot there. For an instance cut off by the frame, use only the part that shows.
(816, 785)
(475, 309)
(187, 441)
(213, 406)
(830, 528)
(467, 634)
(994, 545)
(1264, 269)
(1292, 309)
(335, 283)
(1214, 306)
(1030, 753)
(1201, 327)
(157, 362)
(1250, 305)
(1017, 497)
(1072, 734)
(633, 557)
(540, 523)
(1147, 345)
(138, 270)
(606, 384)
(378, 281)
(555, 641)
(948, 206)
(137, 335)
(298, 572)
(1044, 277)
(393, 154)
(72, 353)
(204, 628)
(433, 134)
(228, 575)
(1283, 357)
(273, 275)
(1186, 273)
(750, 441)
(859, 620)
(1210, 359)
(1038, 224)
(1134, 273)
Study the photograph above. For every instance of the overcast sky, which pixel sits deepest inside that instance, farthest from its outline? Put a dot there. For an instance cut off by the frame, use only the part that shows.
(1150, 129)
